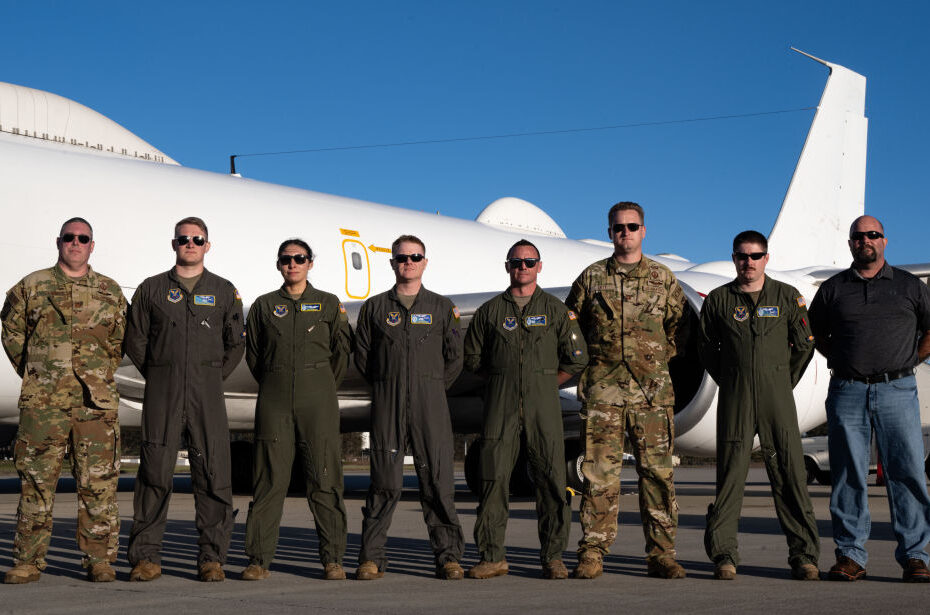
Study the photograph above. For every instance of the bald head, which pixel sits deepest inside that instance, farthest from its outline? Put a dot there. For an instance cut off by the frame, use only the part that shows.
(866, 223)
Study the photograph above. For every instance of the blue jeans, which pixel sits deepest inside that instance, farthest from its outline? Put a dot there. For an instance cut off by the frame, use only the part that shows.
(854, 409)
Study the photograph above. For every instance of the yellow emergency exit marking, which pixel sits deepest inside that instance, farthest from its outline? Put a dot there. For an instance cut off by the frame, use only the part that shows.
(375, 248)
(346, 231)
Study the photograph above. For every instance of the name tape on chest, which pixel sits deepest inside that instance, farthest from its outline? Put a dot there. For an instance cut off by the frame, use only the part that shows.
(311, 307)
(768, 311)
(175, 295)
(209, 300)
(421, 319)
(538, 320)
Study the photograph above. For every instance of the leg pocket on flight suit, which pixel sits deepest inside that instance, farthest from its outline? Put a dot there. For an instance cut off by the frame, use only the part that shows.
(492, 462)
(317, 464)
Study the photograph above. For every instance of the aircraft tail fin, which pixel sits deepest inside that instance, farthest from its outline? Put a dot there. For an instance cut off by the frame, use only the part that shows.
(827, 191)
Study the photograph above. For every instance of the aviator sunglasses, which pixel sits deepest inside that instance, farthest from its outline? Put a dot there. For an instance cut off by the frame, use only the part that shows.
(860, 235)
(69, 237)
(743, 256)
(516, 262)
(183, 240)
(285, 259)
(630, 226)
(402, 258)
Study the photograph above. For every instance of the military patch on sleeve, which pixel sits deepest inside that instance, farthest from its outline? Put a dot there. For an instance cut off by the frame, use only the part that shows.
(238, 296)
(810, 338)
(536, 321)
(175, 295)
(280, 311)
(421, 319)
(767, 311)
(572, 315)
(740, 313)
(801, 302)
(393, 319)
(209, 300)
(455, 313)
(342, 308)
(510, 323)
(311, 307)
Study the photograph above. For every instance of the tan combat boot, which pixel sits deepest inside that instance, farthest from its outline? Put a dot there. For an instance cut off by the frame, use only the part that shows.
(554, 570)
(805, 572)
(211, 572)
(368, 571)
(590, 565)
(487, 570)
(22, 573)
(334, 572)
(724, 571)
(255, 572)
(450, 571)
(145, 571)
(101, 572)
(665, 568)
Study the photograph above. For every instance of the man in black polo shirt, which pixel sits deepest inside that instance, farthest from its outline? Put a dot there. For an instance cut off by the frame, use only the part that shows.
(872, 323)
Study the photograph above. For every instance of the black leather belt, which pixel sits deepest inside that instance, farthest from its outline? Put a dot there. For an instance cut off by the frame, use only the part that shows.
(885, 377)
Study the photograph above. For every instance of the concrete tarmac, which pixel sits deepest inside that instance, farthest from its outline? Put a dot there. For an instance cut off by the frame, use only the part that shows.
(763, 583)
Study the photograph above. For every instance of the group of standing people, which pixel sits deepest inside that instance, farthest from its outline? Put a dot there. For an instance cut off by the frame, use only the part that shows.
(65, 329)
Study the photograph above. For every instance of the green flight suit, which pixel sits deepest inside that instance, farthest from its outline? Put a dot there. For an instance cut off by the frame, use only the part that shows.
(298, 351)
(757, 353)
(521, 353)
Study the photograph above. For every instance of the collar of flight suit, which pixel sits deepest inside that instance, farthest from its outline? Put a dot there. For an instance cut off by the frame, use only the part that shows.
(641, 270)
(509, 297)
(392, 295)
(733, 285)
(173, 275)
(304, 295)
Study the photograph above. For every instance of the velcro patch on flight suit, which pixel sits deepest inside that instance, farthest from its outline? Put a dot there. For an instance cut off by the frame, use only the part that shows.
(510, 323)
(455, 313)
(393, 319)
(536, 321)
(205, 300)
(311, 307)
(572, 315)
(767, 311)
(280, 311)
(175, 295)
(740, 313)
(421, 319)
(801, 302)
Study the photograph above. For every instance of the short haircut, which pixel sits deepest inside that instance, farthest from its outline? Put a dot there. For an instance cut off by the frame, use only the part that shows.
(523, 242)
(294, 241)
(192, 220)
(751, 237)
(409, 239)
(626, 206)
(77, 219)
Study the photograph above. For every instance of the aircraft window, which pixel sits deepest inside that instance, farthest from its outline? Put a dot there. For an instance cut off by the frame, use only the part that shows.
(357, 260)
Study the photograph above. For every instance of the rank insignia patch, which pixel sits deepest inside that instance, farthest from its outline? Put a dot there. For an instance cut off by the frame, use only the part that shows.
(311, 307)
(393, 319)
(205, 300)
(801, 302)
(280, 311)
(740, 313)
(175, 295)
(510, 323)
(421, 319)
(767, 311)
(536, 321)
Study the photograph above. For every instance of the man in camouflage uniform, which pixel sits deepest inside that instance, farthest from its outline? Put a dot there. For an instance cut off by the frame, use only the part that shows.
(63, 332)
(629, 308)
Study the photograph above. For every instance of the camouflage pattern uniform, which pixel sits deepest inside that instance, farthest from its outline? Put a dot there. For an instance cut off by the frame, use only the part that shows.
(629, 320)
(64, 337)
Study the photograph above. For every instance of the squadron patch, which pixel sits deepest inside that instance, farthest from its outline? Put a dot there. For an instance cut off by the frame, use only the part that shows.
(393, 319)
(767, 311)
(311, 307)
(421, 319)
(342, 308)
(536, 321)
(280, 311)
(801, 302)
(175, 295)
(571, 315)
(510, 323)
(238, 296)
(455, 312)
(205, 300)
(740, 313)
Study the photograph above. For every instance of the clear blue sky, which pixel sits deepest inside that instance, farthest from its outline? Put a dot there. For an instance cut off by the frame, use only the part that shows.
(202, 80)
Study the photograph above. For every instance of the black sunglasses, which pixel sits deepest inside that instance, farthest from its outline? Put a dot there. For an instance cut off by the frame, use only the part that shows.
(743, 256)
(69, 237)
(183, 240)
(285, 259)
(516, 262)
(630, 226)
(402, 258)
(860, 235)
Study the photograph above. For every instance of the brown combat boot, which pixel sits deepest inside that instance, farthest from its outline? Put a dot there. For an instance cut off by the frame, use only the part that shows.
(554, 570)
(101, 572)
(590, 565)
(665, 568)
(487, 570)
(450, 571)
(368, 571)
(255, 572)
(22, 573)
(725, 571)
(333, 572)
(211, 572)
(805, 572)
(145, 571)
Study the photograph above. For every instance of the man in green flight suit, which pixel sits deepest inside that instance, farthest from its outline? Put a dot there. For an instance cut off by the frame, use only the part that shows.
(63, 331)
(528, 344)
(756, 343)
(297, 348)
(629, 307)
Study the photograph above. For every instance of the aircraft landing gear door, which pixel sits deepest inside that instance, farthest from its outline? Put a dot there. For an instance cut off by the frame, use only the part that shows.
(358, 276)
